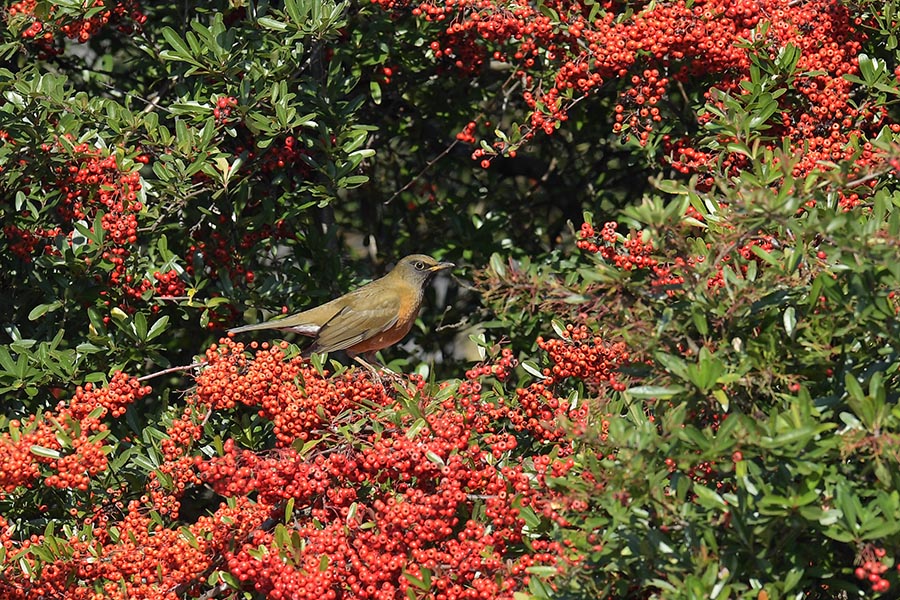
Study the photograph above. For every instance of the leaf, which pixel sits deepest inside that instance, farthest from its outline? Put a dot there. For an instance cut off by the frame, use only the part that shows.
(6, 360)
(140, 325)
(45, 452)
(559, 328)
(419, 583)
(854, 390)
(709, 498)
(542, 570)
(432, 457)
(189, 536)
(764, 255)
(532, 369)
(654, 391)
(790, 321)
(527, 514)
(289, 510)
(182, 52)
(673, 364)
(158, 327)
(41, 309)
(375, 92)
(229, 579)
(270, 23)
(497, 265)
(353, 181)
(722, 398)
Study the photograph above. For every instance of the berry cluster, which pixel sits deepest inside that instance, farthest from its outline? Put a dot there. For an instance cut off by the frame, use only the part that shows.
(223, 108)
(585, 356)
(632, 252)
(285, 156)
(670, 273)
(95, 15)
(215, 250)
(396, 504)
(93, 182)
(739, 261)
(65, 447)
(565, 51)
(872, 568)
(24, 243)
(169, 284)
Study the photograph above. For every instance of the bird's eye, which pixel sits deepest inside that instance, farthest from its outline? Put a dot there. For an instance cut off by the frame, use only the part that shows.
(419, 265)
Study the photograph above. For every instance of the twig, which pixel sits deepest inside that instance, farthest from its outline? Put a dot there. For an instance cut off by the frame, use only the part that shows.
(154, 100)
(865, 178)
(172, 370)
(416, 177)
(215, 591)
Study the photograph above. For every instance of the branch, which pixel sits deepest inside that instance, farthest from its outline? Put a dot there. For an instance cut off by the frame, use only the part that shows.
(416, 177)
(172, 370)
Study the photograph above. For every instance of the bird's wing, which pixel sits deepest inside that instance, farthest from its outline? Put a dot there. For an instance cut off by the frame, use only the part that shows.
(307, 322)
(353, 324)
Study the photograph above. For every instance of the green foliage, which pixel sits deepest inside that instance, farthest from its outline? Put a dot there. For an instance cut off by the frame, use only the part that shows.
(166, 181)
(755, 446)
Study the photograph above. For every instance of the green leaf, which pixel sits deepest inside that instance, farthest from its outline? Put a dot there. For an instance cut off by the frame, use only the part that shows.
(790, 321)
(229, 579)
(270, 23)
(182, 52)
(709, 498)
(764, 255)
(158, 328)
(654, 391)
(140, 325)
(419, 583)
(41, 309)
(375, 92)
(532, 369)
(434, 458)
(543, 570)
(45, 452)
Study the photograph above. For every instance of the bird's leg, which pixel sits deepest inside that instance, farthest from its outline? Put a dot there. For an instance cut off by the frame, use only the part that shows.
(370, 356)
(376, 373)
(364, 363)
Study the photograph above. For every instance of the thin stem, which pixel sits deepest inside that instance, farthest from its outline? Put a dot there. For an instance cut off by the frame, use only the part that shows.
(172, 370)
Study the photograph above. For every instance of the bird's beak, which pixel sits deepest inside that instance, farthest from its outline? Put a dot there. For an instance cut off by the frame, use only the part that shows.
(441, 266)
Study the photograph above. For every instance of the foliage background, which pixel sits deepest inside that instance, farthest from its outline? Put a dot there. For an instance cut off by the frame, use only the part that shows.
(694, 394)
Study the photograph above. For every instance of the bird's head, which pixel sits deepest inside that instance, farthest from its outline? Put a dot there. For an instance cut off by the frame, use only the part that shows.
(419, 268)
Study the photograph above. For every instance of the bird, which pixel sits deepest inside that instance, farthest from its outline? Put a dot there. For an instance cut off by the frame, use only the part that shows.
(367, 319)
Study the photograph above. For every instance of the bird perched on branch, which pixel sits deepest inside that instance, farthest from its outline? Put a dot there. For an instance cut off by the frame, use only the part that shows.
(368, 319)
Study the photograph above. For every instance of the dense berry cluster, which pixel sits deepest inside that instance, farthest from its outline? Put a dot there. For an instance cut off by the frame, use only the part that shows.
(873, 564)
(378, 502)
(669, 273)
(628, 253)
(46, 24)
(169, 284)
(223, 108)
(25, 243)
(564, 51)
(585, 356)
(65, 447)
(91, 183)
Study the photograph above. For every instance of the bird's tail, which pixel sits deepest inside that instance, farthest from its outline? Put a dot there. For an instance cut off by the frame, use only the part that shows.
(310, 329)
(254, 327)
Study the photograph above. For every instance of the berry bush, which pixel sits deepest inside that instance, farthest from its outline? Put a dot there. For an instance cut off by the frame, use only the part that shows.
(667, 365)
